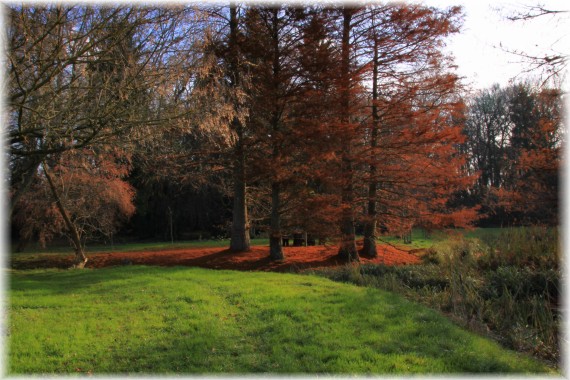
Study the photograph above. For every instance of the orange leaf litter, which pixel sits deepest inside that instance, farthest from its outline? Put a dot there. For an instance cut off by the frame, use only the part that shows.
(257, 259)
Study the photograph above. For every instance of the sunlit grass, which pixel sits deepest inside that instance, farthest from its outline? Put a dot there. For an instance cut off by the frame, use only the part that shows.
(189, 320)
(422, 239)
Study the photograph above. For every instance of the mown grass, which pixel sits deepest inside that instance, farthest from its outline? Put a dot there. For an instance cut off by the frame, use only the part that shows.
(420, 239)
(188, 320)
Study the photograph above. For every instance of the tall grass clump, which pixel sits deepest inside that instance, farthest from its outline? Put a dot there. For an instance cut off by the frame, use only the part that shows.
(504, 285)
(535, 247)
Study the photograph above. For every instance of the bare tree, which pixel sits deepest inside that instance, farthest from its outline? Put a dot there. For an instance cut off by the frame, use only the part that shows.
(551, 64)
(80, 76)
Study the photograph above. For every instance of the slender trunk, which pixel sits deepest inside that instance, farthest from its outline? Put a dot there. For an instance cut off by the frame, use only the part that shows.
(240, 241)
(80, 258)
(369, 246)
(407, 236)
(171, 225)
(275, 239)
(347, 250)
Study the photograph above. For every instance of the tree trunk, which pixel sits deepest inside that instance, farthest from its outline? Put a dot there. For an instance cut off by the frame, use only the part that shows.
(369, 247)
(407, 237)
(80, 258)
(171, 225)
(239, 241)
(275, 239)
(347, 250)
(369, 244)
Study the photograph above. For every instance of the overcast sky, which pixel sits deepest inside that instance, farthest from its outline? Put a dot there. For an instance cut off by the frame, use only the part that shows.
(476, 48)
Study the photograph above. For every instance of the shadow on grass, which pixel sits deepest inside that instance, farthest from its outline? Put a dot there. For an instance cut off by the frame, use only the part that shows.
(77, 280)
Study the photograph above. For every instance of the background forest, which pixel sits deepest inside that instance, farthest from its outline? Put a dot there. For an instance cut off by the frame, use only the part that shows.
(138, 123)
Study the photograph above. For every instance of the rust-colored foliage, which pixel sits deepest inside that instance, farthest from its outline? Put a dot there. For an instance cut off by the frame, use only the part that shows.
(317, 141)
(412, 125)
(91, 189)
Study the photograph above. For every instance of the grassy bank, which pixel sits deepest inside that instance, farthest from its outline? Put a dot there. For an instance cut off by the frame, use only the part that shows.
(189, 320)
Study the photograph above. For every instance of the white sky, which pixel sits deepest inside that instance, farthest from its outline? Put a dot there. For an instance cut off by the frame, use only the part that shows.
(476, 49)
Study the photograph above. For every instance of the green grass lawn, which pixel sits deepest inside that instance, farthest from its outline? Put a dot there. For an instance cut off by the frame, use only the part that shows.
(422, 240)
(155, 320)
(419, 239)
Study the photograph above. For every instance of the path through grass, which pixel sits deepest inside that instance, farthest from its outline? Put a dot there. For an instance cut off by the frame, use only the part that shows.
(189, 320)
